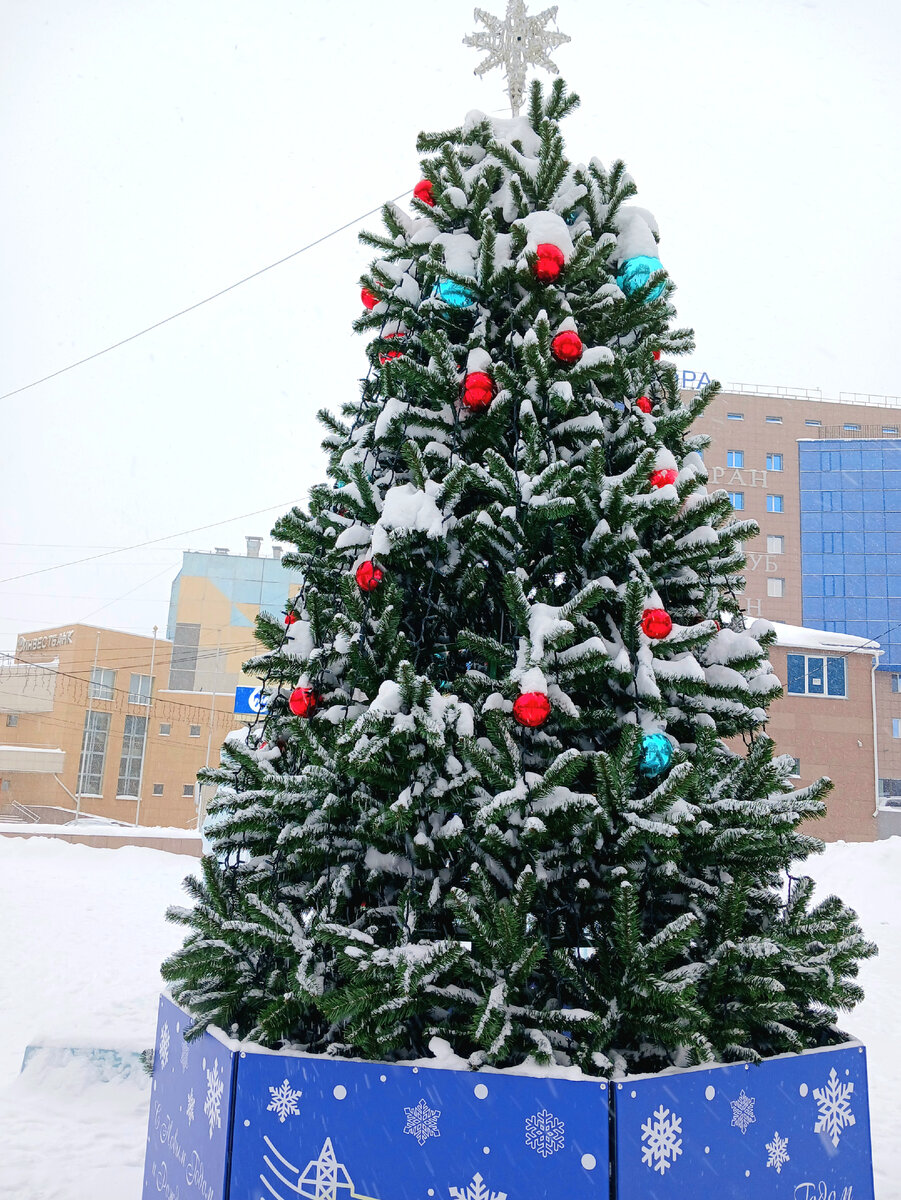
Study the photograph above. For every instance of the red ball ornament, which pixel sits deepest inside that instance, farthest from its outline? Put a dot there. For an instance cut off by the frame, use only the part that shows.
(567, 347)
(302, 701)
(423, 192)
(290, 618)
(656, 356)
(531, 709)
(664, 476)
(368, 576)
(656, 622)
(383, 358)
(478, 390)
(644, 404)
(548, 263)
(368, 299)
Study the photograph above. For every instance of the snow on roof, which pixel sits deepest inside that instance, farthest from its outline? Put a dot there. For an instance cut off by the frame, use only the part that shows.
(817, 639)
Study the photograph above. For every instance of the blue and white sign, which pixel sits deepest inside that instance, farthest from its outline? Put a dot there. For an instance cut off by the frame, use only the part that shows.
(188, 1133)
(693, 381)
(251, 701)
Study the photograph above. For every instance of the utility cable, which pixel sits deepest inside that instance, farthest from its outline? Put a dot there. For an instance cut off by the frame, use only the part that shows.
(199, 304)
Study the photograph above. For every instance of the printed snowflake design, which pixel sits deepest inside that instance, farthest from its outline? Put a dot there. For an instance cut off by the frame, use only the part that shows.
(189, 1107)
(743, 1111)
(777, 1151)
(212, 1104)
(544, 1133)
(835, 1111)
(164, 1044)
(476, 1191)
(422, 1122)
(663, 1147)
(284, 1101)
(184, 1055)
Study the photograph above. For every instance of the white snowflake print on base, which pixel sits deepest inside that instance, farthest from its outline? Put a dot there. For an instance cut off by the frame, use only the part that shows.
(184, 1055)
(777, 1152)
(743, 1111)
(835, 1111)
(164, 1044)
(212, 1106)
(422, 1122)
(476, 1191)
(284, 1101)
(544, 1133)
(189, 1107)
(663, 1143)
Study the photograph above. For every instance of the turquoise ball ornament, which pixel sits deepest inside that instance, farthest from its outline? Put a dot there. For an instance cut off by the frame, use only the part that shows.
(656, 754)
(573, 215)
(635, 272)
(453, 294)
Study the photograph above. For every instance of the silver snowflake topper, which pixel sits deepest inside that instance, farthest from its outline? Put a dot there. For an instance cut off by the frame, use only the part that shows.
(518, 42)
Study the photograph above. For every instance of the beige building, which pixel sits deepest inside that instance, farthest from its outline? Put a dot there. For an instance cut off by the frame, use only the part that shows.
(85, 726)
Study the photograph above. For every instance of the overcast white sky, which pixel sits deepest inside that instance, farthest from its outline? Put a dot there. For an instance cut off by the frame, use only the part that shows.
(155, 151)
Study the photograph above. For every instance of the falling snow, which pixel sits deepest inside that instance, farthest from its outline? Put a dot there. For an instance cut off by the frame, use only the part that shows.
(663, 1145)
(835, 1110)
(544, 1133)
(189, 1107)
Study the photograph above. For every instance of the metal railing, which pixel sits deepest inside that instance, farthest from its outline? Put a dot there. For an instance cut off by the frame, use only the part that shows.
(14, 811)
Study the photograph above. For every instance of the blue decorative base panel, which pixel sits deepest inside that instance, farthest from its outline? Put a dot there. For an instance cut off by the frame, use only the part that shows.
(233, 1124)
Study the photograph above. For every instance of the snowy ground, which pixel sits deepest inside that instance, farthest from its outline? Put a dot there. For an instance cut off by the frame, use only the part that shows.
(82, 938)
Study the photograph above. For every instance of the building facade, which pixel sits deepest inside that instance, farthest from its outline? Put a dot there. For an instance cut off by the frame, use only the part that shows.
(86, 727)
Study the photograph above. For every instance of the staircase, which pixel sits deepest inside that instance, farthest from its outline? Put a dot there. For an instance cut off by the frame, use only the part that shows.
(13, 813)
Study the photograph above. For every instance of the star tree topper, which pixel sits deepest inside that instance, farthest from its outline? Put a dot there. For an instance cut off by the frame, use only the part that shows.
(518, 42)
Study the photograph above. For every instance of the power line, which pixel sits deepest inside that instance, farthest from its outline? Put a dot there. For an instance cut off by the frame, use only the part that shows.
(139, 545)
(199, 304)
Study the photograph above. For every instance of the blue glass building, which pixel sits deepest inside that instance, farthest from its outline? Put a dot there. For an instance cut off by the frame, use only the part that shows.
(851, 540)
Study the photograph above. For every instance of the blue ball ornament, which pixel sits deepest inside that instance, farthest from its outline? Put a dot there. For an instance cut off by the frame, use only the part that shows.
(656, 754)
(454, 294)
(573, 215)
(635, 272)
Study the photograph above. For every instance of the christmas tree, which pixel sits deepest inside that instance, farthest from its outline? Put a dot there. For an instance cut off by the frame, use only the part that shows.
(492, 798)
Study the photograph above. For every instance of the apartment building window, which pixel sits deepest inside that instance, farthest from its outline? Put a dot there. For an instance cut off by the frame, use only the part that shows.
(815, 424)
(139, 689)
(103, 683)
(774, 420)
(12, 719)
(157, 789)
(896, 682)
(774, 462)
(737, 500)
(132, 759)
(165, 730)
(795, 771)
(775, 587)
(735, 458)
(735, 416)
(851, 428)
(890, 430)
(183, 666)
(775, 543)
(187, 789)
(194, 731)
(896, 727)
(816, 675)
(775, 504)
(93, 753)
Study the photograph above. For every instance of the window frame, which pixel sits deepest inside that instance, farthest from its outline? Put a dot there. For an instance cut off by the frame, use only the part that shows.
(187, 791)
(158, 789)
(733, 496)
(131, 760)
(12, 720)
(136, 694)
(775, 595)
(823, 678)
(99, 688)
(735, 416)
(191, 732)
(771, 461)
(94, 744)
(771, 420)
(778, 502)
(732, 456)
(775, 537)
